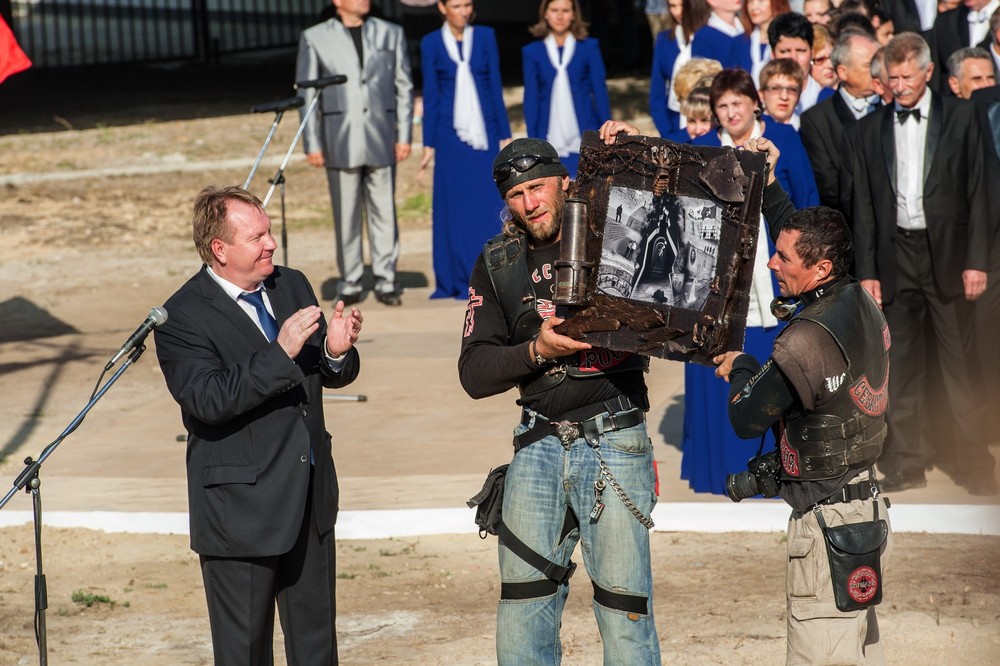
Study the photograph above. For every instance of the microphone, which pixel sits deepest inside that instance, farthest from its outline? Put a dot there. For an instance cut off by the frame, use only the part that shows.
(279, 105)
(322, 82)
(156, 317)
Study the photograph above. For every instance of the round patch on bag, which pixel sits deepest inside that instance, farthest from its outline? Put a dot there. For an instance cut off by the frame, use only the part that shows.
(862, 584)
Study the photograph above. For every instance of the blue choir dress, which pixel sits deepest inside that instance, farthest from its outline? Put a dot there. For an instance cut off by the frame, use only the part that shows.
(665, 53)
(711, 450)
(466, 205)
(588, 85)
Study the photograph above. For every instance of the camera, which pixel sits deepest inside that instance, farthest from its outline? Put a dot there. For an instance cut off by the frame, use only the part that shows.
(761, 478)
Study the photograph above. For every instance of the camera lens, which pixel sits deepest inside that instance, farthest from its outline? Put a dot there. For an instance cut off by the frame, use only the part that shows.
(741, 485)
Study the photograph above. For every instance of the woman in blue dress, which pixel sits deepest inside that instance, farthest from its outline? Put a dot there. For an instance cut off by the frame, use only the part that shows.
(756, 19)
(465, 124)
(565, 91)
(711, 449)
(684, 19)
(723, 37)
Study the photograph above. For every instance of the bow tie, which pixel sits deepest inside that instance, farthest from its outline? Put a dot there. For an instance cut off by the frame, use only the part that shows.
(903, 114)
(860, 104)
(978, 16)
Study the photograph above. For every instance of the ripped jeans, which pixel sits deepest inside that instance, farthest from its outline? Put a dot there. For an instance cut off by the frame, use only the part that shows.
(545, 479)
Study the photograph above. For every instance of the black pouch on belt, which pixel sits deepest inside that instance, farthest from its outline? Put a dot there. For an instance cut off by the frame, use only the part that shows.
(855, 554)
(489, 502)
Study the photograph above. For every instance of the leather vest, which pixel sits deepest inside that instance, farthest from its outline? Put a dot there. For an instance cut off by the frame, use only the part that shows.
(848, 433)
(507, 264)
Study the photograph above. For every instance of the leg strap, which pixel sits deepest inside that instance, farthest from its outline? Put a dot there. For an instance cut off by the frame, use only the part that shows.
(627, 603)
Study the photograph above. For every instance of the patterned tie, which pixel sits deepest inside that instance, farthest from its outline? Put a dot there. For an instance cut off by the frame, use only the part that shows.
(267, 322)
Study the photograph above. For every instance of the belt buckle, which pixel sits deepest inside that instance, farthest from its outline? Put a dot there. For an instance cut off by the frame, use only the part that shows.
(567, 432)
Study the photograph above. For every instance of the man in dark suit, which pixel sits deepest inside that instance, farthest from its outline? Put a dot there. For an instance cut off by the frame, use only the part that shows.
(966, 25)
(907, 16)
(822, 127)
(921, 247)
(246, 355)
(987, 101)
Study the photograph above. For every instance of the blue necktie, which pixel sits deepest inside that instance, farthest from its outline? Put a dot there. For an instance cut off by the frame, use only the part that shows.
(267, 322)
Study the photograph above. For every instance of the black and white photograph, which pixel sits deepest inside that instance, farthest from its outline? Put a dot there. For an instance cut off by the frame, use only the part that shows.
(659, 249)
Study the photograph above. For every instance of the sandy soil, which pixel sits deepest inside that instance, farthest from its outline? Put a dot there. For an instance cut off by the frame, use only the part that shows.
(87, 252)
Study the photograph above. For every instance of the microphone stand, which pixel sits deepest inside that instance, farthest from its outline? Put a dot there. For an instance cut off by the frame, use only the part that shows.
(278, 180)
(29, 478)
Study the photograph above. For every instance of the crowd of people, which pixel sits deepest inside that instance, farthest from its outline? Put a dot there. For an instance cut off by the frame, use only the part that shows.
(888, 115)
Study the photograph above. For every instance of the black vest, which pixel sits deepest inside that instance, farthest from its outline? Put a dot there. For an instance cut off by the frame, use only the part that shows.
(849, 432)
(507, 264)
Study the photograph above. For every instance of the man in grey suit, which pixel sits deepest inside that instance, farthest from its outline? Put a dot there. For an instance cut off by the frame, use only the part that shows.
(363, 131)
(246, 354)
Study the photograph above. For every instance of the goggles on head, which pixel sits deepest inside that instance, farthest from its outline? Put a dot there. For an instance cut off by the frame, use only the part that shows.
(520, 164)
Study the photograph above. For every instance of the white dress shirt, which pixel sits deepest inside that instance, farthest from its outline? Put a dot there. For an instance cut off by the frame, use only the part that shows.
(911, 142)
(979, 23)
(927, 12)
(809, 96)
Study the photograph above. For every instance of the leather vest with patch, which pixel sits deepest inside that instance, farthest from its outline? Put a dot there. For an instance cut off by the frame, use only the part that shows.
(848, 433)
(507, 264)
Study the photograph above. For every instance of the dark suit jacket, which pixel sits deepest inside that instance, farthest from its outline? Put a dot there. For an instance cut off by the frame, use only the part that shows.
(822, 132)
(951, 33)
(905, 17)
(252, 415)
(954, 196)
(987, 101)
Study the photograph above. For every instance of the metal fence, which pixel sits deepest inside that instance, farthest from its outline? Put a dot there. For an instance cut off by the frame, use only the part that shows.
(65, 33)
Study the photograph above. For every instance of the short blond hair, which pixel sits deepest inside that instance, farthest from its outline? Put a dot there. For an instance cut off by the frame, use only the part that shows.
(697, 105)
(690, 75)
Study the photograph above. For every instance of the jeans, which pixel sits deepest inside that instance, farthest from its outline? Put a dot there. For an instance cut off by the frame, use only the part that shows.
(545, 479)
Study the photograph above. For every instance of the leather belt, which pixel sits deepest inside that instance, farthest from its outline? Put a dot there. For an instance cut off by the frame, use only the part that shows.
(852, 491)
(619, 414)
(911, 233)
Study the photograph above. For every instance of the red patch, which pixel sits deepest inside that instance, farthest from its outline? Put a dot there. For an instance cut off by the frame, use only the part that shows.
(598, 359)
(862, 584)
(470, 312)
(886, 339)
(872, 401)
(545, 308)
(789, 456)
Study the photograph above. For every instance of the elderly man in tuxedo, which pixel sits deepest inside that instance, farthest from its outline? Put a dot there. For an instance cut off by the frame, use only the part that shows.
(822, 127)
(362, 131)
(921, 230)
(246, 354)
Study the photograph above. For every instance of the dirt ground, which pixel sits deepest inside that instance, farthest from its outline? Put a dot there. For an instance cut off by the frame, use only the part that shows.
(94, 219)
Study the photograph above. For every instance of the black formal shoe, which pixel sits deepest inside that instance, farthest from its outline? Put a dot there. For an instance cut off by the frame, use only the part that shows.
(349, 299)
(982, 486)
(390, 298)
(897, 481)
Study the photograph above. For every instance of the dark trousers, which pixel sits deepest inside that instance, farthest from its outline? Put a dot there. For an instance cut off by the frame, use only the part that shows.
(919, 316)
(987, 330)
(241, 595)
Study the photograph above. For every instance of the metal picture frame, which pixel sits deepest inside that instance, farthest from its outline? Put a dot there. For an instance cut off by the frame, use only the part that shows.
(672, 236)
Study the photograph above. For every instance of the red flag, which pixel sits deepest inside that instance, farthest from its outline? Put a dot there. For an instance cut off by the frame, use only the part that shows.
(12, 58)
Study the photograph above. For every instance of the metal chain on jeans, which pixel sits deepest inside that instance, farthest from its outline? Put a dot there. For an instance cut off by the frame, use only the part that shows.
(646, 521)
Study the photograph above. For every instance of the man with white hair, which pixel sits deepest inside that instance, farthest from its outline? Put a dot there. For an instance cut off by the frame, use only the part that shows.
(921, 232)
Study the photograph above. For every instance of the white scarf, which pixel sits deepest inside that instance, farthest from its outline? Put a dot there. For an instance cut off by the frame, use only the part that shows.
(759, 59)
(469, 124)
(673, 102)
(734, 29)
(761, 291)
(564, 130)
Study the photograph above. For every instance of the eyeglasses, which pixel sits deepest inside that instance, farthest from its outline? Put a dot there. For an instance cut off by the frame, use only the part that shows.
(791, 90)
(520, 164)
(819, 60)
